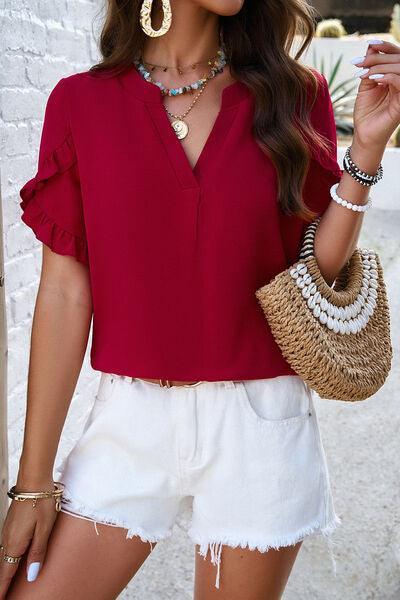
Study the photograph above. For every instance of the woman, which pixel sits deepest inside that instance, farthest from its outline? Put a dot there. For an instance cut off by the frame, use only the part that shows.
(160, 215)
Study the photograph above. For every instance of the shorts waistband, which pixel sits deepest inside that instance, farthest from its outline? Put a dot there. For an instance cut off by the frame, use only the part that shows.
(228, 383)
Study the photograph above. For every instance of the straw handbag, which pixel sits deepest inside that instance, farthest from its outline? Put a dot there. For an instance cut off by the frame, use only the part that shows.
(336, 338)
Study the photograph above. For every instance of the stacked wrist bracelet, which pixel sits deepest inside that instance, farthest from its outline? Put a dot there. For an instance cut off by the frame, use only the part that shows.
(14, 494)
(56, 493)
(358, 174)
(361, 177)
(346, 204)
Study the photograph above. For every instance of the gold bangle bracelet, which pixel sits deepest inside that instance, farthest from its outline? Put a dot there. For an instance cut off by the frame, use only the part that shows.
(34, 496)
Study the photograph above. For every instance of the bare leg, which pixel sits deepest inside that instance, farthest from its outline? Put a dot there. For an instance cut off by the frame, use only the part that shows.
(80, 564)
(245, 574)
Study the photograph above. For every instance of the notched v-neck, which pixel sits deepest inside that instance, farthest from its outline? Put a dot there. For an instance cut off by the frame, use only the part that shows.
(191, 177)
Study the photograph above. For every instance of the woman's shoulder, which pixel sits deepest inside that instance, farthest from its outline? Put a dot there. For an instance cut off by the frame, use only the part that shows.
(81, 92)
(317, 88)
(90, 78)
(319, 101)
(318, 74)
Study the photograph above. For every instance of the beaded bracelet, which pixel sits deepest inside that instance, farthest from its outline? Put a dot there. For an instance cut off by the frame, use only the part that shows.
(358, 174)
(345, 203)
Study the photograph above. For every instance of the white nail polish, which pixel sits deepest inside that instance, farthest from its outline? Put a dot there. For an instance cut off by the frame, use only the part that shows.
(374, 41)
(376, 76)
(361, 72)
(357, 59)
(33, 571)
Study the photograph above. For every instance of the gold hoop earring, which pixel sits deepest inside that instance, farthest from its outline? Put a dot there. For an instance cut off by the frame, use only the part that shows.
(145, 18)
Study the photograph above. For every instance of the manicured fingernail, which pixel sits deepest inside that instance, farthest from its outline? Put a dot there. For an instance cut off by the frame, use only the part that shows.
(361, 72)
(357, 59)
(33, 571)
(376, 76)
(374, 41)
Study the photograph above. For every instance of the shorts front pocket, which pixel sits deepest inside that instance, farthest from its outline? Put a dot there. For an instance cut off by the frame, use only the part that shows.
(276, 401)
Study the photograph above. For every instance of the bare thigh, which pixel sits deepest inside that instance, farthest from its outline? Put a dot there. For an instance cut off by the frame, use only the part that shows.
(80, 564)
(245, 574)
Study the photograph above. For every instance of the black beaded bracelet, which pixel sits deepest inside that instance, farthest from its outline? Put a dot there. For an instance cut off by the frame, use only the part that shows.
(361, 176)
(358, 174)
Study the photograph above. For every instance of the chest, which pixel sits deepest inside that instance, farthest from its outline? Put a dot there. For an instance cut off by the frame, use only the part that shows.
(134, 155)
(145, 199)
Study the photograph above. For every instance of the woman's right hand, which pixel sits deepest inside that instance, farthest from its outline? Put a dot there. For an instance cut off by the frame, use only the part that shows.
(26, 529)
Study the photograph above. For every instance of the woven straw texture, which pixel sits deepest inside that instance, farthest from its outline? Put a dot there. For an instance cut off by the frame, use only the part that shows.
(337, 366)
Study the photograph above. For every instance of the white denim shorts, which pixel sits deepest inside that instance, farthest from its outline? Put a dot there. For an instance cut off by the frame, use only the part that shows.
(237, 463)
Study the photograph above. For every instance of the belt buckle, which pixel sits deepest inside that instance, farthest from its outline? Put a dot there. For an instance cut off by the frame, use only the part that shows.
(167, 384)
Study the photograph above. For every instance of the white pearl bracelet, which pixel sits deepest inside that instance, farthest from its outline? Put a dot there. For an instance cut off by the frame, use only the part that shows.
(345, 203)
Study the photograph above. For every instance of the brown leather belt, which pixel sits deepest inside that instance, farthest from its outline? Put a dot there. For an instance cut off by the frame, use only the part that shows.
(169, 382)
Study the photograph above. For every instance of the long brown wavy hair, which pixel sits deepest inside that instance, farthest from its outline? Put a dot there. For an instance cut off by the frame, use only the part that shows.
(258, 41)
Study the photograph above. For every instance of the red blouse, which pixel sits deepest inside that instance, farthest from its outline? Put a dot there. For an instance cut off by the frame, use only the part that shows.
(175, 254)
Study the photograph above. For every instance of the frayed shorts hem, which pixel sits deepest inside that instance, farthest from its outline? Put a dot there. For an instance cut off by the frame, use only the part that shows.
(262, 545)
(77, 509)
(213, 544)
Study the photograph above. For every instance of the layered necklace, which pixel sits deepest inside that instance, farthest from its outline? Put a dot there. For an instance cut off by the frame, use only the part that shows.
(179, 125)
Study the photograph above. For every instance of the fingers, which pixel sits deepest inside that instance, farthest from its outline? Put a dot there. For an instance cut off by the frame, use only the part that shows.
(382, 68)
(37, 552)
(385, 46)
(35, 549)
(17, 534)
(8, 569)
(391, 78)
(384, 75)
(373, 58)
(381, 65)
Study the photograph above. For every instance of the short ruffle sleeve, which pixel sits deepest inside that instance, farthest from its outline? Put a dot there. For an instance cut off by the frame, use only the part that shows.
(324, 168)
(52, 200)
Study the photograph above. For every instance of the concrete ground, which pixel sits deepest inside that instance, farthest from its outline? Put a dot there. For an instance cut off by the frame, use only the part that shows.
(361, 441)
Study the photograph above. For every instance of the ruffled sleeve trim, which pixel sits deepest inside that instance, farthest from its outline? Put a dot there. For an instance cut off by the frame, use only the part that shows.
(50, 233)
(44, 227)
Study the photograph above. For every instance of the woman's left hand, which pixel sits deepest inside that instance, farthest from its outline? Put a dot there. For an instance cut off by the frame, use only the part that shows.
(377, 106)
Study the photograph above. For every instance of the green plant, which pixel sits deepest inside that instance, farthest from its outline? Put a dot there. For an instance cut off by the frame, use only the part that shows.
(395, 22)
(341, 93)
(330, 28)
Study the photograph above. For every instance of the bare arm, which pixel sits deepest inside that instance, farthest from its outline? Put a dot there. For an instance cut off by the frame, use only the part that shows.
(338, 231)
(376, 116)
(60, 330)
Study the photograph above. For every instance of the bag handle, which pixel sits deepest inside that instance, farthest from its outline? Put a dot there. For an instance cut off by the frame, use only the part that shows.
(307, 248)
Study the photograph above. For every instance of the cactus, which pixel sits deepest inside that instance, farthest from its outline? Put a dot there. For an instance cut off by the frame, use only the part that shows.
(330, 28)
(395, 22)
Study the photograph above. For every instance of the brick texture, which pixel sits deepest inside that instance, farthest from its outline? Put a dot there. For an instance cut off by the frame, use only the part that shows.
(40, 42)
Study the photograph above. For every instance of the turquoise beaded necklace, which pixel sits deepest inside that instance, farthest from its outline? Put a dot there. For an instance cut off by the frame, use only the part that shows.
(217, 67)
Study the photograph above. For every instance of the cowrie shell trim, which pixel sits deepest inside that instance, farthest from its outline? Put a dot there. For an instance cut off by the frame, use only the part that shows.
(345, 320)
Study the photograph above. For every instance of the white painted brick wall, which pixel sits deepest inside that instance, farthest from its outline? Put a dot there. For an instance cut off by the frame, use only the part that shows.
(41, 41)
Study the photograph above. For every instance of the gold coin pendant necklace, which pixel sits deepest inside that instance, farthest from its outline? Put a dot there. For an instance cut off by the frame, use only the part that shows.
(179, 125)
